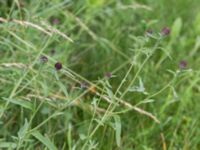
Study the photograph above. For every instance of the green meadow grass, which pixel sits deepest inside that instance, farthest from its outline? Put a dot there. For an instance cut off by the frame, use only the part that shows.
(120, 88)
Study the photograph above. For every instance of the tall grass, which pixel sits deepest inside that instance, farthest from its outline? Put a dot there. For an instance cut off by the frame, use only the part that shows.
(127, 74)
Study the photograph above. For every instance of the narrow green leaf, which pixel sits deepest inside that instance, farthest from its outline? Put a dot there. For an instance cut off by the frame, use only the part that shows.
(22, 103)
(197, 23)
(117, 129)
(69, 136)
(8, 145)
(63, 88)
(44, 140)
(176, 28)
(110, 93)
(23, 130)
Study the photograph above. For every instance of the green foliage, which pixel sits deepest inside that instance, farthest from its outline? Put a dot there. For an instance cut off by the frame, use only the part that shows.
(176, 29)
(121, 86)
(45, 140)
(197, 23)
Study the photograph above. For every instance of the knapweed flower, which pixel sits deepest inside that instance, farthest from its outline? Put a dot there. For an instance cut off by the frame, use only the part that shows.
(58, 66)
(55, 21)
(165, 31)
(183, 64)
(43, 59)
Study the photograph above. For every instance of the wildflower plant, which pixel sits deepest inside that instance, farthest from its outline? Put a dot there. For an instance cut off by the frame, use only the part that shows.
(99, 75)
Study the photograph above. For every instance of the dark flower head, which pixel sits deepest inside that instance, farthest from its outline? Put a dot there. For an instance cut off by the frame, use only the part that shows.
(149, 32)
(183, 64)
(58, 66)
(165, 31)
(84, 85)
(43, 59)
(55, 21)
(108, 75)
(53, 51)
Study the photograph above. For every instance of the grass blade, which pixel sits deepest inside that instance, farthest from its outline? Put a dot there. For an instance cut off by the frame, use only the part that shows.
(44, 140)
(22, 103)
(118, 130)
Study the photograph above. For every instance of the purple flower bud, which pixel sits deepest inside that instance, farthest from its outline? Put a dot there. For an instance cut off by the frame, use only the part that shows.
(58, 66)
(108, 75)
(55, 21)
(43, 59)
(183, 64)
(165, 31)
